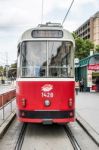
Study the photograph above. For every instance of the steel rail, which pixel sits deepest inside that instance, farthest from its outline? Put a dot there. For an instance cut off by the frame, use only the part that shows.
(87, 132)
(20, 140)
(73, 141)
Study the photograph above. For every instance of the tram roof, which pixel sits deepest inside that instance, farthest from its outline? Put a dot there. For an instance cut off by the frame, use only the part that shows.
(85, 61)
(67, 36)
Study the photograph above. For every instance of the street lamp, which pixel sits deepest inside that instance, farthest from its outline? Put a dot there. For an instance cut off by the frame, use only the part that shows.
(7, 68)
(76, 62)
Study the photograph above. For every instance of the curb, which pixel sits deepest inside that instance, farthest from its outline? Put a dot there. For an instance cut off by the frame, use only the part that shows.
(6, 124)
(90, 131)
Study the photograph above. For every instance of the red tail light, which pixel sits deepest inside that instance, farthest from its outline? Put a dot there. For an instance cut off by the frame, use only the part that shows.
(23, 102)
(70, 102)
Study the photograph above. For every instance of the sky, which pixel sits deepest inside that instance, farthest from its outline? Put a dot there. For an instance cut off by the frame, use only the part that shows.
(16, 16)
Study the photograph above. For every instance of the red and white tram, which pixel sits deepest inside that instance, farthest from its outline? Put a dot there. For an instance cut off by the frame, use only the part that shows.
(45, 79)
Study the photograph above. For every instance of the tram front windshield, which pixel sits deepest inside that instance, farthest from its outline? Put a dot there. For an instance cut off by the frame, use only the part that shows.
(46, 59)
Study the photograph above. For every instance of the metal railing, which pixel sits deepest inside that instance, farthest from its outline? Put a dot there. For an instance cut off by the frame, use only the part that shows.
(51, 71)
(7, 107)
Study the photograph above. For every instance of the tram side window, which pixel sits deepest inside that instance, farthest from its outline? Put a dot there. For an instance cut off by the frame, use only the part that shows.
(24, 61)
(18, 61)
(27, 60)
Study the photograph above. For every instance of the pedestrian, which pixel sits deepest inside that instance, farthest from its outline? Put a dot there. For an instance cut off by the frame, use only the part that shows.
(77, 87)
(97, 84)
(81, 85)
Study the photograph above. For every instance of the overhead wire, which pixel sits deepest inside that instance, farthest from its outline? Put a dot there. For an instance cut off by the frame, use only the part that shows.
(67, 12)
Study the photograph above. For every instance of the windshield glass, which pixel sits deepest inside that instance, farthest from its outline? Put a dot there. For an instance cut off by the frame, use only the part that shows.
(47, 59)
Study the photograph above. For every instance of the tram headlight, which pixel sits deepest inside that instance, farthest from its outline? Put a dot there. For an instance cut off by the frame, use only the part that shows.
(47, 103)
(23, 102)
(70, 102)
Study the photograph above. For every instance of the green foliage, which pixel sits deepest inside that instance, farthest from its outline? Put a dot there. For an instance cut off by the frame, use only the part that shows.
(13, 70)
(82, 47)
(97, 48)
(1, 70)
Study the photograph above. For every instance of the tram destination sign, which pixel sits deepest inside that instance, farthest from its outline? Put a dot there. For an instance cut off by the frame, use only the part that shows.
(93, 67)
(47, 33)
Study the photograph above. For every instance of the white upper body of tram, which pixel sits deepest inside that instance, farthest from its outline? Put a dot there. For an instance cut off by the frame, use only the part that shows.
(46, 51)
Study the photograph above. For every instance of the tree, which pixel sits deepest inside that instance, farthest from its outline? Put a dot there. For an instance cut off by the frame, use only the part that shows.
(12, 70)
(97, 48)
(88, 45)
(79, 48)
(1, 70)
(82, 47)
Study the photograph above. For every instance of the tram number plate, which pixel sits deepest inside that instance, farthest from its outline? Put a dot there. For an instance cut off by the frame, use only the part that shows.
(47, 94)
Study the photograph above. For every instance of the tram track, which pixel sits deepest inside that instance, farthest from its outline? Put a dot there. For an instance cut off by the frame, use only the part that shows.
(66, 128)
(71, 137)
(38, 136)
(20, 140)
(86, 129)
(81, 136)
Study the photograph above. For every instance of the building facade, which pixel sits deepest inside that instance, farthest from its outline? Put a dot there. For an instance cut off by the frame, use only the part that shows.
(88, 71)
(90, 29)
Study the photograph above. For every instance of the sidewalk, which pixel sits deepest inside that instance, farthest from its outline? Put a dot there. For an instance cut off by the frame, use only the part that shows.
(87, 109)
